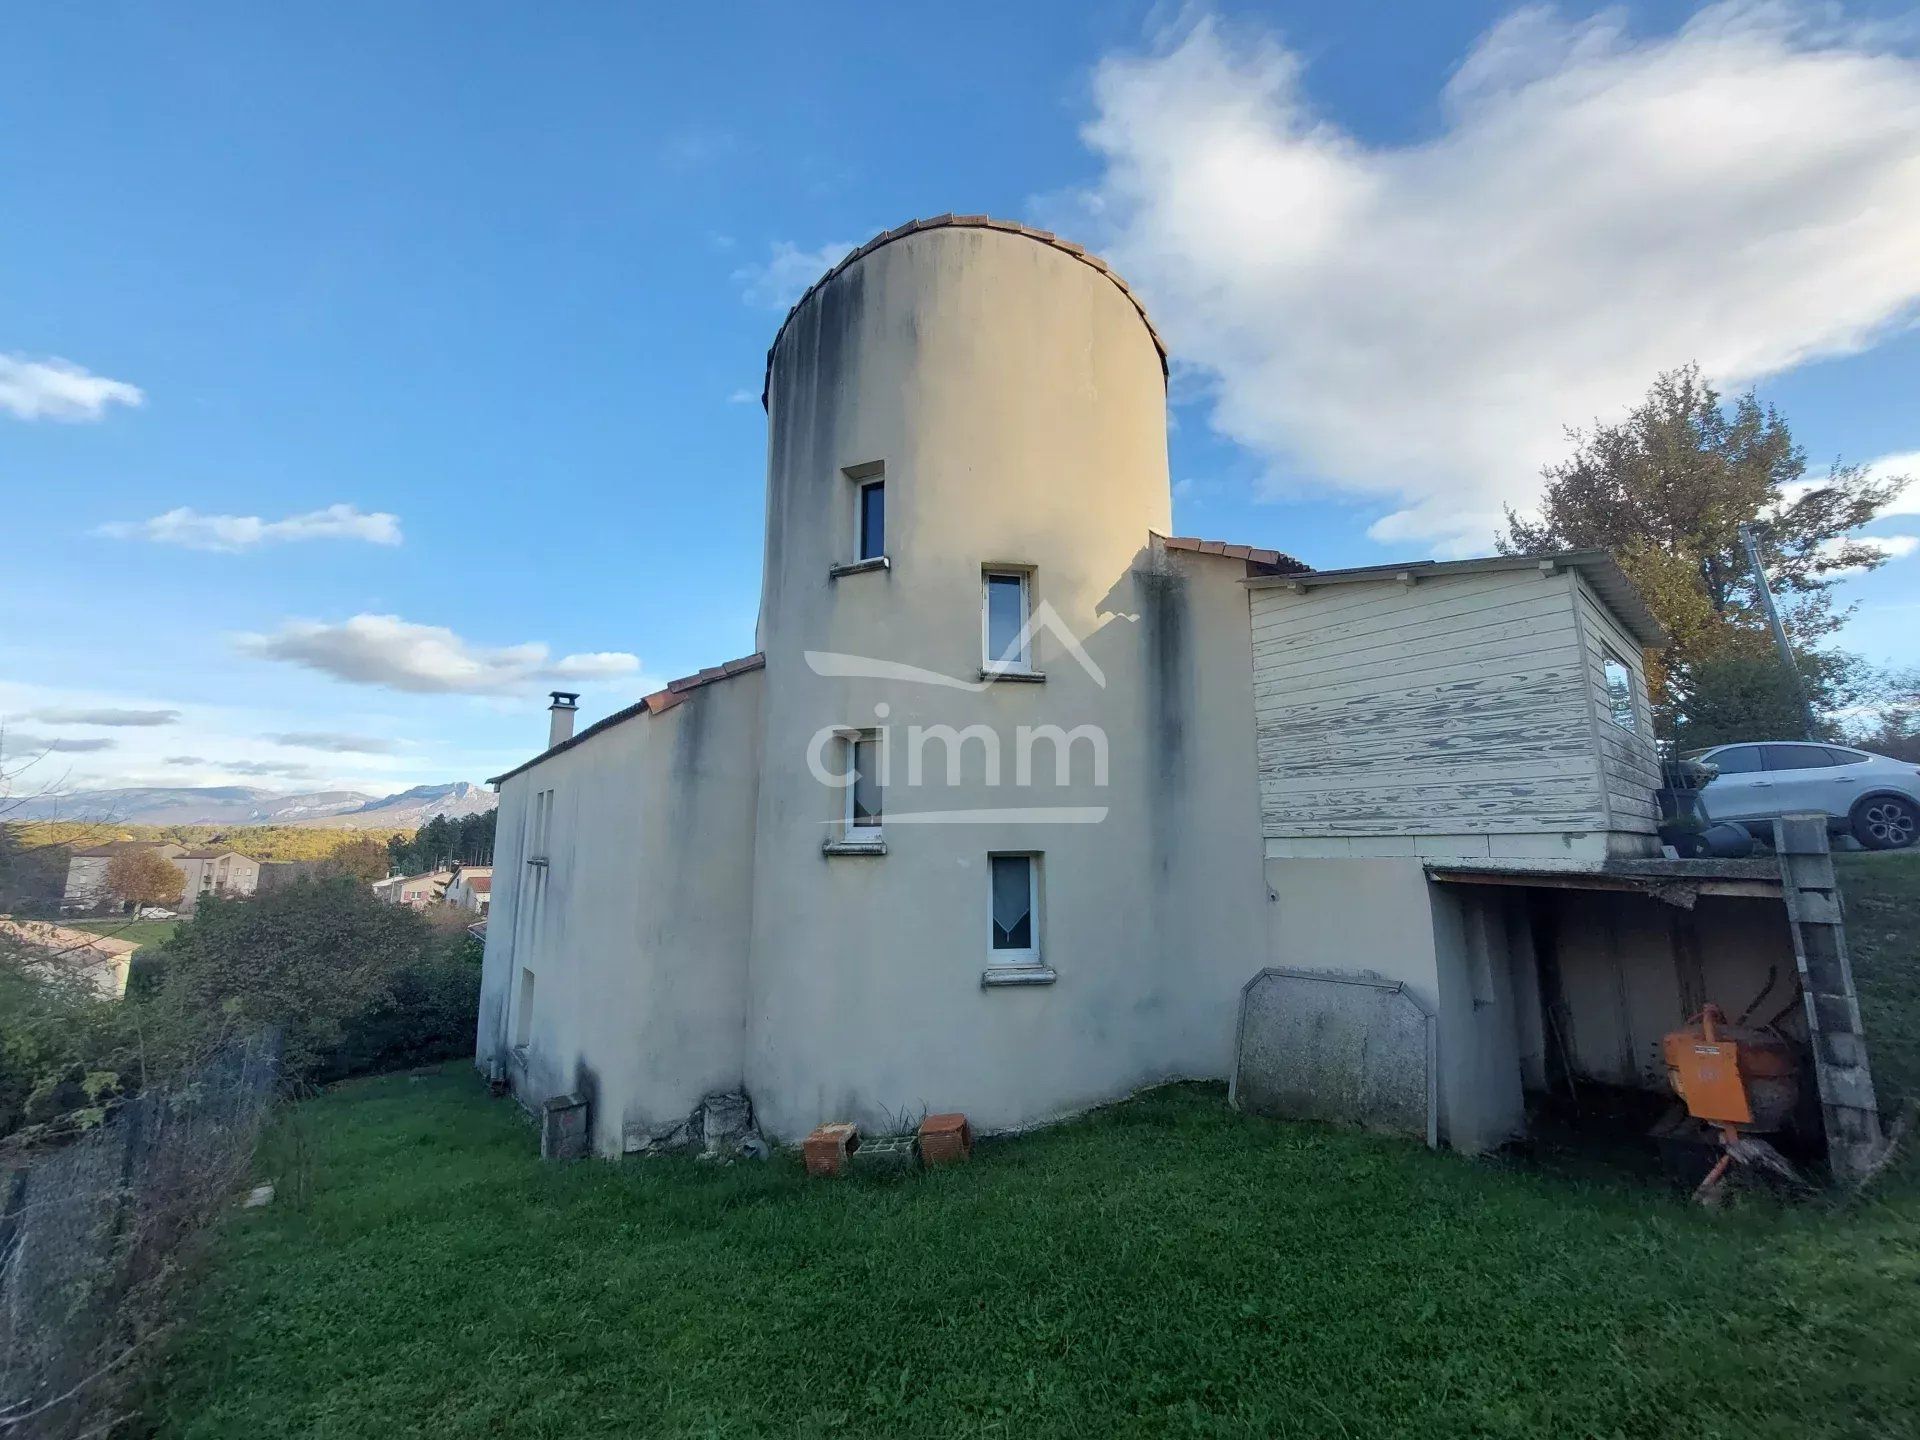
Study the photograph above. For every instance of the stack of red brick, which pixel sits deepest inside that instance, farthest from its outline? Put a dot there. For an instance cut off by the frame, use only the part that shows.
(941, 1140)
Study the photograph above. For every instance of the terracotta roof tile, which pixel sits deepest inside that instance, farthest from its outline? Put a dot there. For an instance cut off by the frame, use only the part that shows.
(1270, 561)
(971, 222)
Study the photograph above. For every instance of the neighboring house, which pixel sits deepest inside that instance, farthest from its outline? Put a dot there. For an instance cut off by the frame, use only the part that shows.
(87, 870)
(414, 890)
(1017, 795)
(102, 961)
(470, 887)
(216, 870)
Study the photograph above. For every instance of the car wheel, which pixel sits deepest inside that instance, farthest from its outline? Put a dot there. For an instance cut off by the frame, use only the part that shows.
(1886, 822)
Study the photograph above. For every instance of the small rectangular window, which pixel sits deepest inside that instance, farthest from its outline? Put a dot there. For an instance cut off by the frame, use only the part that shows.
(1013, 926)
(1003, 620)
(864, 808)
(873, 520)
(1619, 680)
(523, 1016)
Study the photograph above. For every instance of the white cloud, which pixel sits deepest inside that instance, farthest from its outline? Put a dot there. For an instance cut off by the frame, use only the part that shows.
(335, 742)
(742, 396)
(1416, 324)
(786, 273)
(62, 715)
(1890, 547)
(1906, 463)
(424, 659)
(284, 770)
(59, 390)
(17, 744)
(242, 532)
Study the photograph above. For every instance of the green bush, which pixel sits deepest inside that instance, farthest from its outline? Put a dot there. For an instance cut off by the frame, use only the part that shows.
(350, 984)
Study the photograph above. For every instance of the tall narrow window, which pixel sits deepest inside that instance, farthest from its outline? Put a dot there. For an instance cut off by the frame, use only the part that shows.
(873, 520)
(863, 795)
(1619, 682)
(1012, 934)
(1003, 620)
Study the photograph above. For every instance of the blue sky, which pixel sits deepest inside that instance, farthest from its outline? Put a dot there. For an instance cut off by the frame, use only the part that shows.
(457, 313)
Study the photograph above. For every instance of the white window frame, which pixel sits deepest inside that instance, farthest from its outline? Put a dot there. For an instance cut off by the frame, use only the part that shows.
(998, 959)
(852, 740)
(1609, 656)
(989, 662)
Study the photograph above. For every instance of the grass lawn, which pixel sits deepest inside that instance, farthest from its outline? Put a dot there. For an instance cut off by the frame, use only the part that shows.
(134, 932)
(1165, 1267)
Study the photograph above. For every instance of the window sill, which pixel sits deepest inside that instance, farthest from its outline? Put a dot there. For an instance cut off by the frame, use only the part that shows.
(859, 567)
(1019, 677)
(854, 847)
(995, 975)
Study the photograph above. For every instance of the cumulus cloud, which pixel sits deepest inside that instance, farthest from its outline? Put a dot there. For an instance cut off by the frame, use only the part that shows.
(1414, 325)
(336, 742)
(783, 277)
(424, 659)
(59, 390)
(61, 716)
(195, 531)
(17, 744)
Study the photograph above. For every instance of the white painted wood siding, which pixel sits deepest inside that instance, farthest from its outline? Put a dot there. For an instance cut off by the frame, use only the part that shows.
(1461, 705)
(1629, 764)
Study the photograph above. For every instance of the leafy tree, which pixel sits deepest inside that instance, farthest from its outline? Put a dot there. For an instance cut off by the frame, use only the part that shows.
(33, 878)
(364, 859)
(144, 877)
(305, 960)
(1667, 489)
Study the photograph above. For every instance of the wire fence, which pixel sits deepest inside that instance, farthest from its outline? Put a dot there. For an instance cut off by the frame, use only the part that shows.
(92, 1235)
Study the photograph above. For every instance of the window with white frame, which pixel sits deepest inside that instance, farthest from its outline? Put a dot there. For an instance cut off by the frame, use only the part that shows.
(1004, 598)
(1013, 930)
(1618, 676)
(861, 752)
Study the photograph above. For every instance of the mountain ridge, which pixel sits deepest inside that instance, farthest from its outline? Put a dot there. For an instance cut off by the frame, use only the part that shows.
(248, 805)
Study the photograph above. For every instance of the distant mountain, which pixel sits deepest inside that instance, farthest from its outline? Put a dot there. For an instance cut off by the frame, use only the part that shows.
(244, 805)
(411, 809)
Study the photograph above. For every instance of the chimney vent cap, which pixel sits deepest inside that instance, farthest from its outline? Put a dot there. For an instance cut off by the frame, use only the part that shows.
(565, 699)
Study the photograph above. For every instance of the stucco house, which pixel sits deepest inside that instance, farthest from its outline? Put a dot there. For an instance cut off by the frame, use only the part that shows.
(204, 870)
(216, 870)
(1017, 791)
(471, 888)
(87, 869)
(427, 888)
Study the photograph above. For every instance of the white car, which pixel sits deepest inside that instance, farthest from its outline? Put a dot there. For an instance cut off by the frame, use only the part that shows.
(1872, 798)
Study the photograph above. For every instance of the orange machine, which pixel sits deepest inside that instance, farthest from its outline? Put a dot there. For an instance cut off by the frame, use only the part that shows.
(1740, 1081)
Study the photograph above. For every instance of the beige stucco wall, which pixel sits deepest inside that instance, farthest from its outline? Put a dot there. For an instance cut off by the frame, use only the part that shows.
(636, 928)
(1016, 402)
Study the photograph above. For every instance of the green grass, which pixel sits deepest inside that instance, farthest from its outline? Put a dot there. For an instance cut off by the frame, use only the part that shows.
(1165, 1267)
(134, 932)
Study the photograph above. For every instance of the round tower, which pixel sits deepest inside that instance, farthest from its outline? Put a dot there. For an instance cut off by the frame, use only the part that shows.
(966, 459)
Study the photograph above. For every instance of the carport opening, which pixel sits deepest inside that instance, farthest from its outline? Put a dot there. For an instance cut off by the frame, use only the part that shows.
(1571, 988)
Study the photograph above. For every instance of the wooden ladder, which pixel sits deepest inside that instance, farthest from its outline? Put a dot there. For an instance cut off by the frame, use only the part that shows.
(1847, 1106)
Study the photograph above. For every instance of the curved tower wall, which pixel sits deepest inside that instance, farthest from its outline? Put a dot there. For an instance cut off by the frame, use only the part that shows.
(1012, 398)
